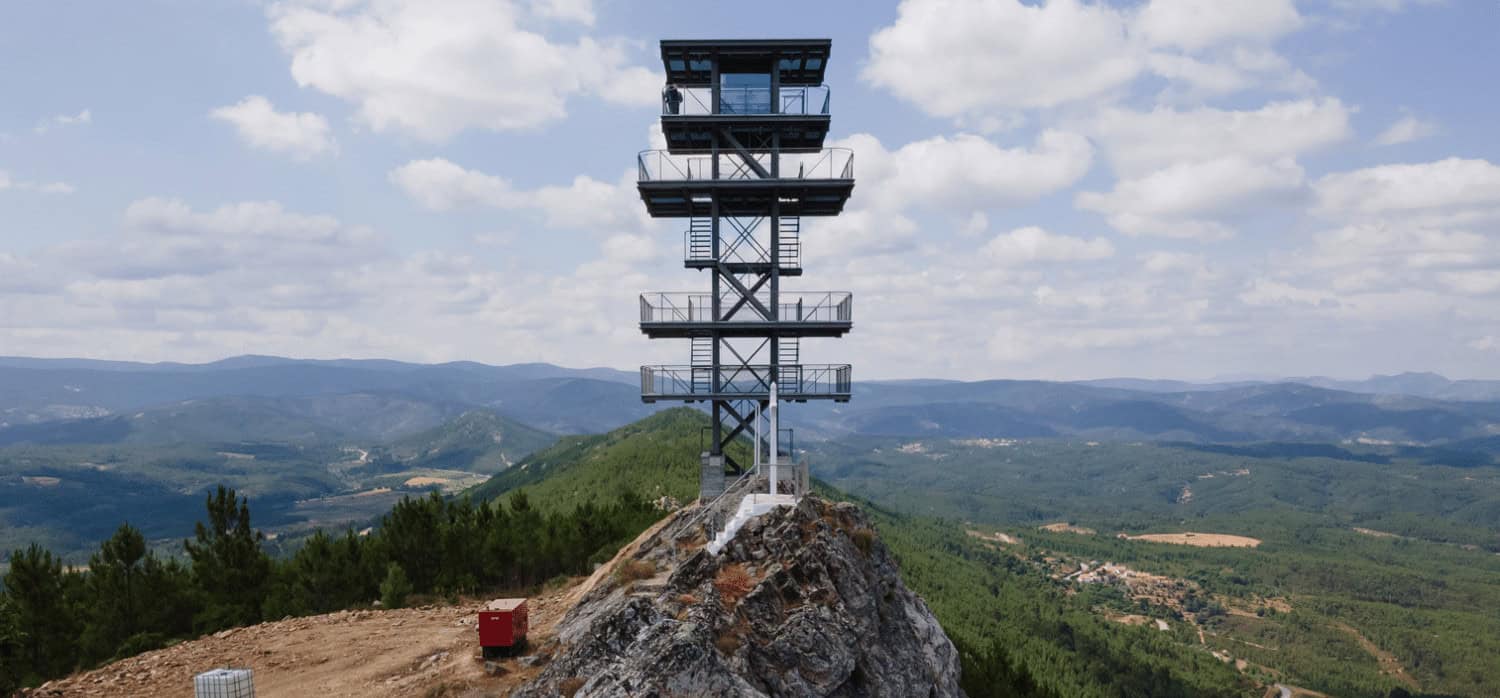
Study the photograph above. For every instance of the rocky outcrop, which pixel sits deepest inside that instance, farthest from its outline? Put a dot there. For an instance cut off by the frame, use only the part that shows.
(804, 601)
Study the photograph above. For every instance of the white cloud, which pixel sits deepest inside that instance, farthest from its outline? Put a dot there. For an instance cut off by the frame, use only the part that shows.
(19, 275)
(302, 135)
(1405, 130)
(981, 62)
(166, 238)
(1163, 262)
(1186, 199)
(1197, 24)
(433, 68)
(204, 283)
(1184, 172)
(82, 118)
(1269, 292)
(1382, 5)
(1411, 188)
(1474, 282)
(586, 203)
(966, 170)
(1033, 244)
(441, 185)
(1015, 344)
(1137, 141)
(954, 57)
(580, 11)
(7, 182)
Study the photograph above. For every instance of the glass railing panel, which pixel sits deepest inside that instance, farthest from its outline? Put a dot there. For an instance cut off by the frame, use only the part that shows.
(742, 101)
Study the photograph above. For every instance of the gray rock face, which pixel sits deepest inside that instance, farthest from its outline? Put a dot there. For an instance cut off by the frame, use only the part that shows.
(805, 601)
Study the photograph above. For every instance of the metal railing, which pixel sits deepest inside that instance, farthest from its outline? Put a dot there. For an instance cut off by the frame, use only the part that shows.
(818, 306)
(663, 166)
(698, 101)
(792, 381)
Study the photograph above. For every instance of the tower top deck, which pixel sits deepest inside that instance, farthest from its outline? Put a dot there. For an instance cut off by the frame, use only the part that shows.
(799, 62)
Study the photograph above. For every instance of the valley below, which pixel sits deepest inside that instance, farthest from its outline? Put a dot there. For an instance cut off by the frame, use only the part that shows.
(1224, 540)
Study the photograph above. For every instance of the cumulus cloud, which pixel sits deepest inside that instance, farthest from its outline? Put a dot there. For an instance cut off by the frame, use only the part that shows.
(1405, 130)
(580, 11)
(1141, 141)
(442, 185)
(167, 238)
(1269, 292)
(978, 61)
(1189, 173)
(1197, 24)
(302, 135)
(1445, 185)
(967, 170)
(201, 283)
(953, 57)
(50, 123)
(7, 182)
(1187, 199)
(433, 68)
(1033, 244)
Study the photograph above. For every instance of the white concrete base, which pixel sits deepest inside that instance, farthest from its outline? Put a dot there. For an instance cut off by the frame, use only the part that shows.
(751, 506)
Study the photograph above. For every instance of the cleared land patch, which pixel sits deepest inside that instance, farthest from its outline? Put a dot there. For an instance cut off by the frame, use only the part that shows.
(1068, 528)
(1201, 540)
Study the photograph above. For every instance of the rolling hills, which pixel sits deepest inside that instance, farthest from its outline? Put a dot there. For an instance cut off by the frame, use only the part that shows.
(73, 401)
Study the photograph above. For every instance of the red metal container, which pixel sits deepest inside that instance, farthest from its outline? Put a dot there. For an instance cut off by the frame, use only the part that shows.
(502, 626)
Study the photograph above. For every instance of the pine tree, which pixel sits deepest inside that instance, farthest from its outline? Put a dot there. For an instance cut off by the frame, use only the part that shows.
(395, 588)
(230, 570)
(12, 646)
(35, 585)
(116, 592)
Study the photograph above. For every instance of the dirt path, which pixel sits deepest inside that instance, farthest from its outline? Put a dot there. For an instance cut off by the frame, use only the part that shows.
(1388, 662)
(404, 652)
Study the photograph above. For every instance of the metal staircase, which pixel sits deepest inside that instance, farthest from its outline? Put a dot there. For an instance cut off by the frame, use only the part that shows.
(789, 251)
(700, 239)
(702, 362)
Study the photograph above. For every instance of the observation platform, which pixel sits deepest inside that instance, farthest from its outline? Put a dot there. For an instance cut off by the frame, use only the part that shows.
(797, 117)
(680, 315)
(690, 62)
(806, 184)
(794, 383)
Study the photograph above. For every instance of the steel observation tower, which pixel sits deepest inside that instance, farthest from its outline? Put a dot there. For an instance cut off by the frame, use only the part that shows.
(745, 122)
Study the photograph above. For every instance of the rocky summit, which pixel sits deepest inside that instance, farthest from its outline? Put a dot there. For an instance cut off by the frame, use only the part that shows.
(804, 601)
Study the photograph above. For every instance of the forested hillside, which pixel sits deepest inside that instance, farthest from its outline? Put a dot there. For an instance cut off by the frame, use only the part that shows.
(1372, 568)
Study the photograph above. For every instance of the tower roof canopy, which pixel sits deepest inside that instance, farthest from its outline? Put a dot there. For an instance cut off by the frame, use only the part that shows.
(689, 63)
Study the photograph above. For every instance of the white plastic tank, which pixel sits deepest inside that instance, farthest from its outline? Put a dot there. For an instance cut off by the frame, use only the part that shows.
(224, 683)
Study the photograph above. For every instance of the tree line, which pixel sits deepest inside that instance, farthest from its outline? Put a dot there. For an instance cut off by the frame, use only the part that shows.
(55, 620)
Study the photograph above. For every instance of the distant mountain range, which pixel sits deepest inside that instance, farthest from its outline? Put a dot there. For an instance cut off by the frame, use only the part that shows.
(1429, 385)
(262, 398)
(544, 396)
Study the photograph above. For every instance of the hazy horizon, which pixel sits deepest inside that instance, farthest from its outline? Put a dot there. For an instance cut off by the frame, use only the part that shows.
(1228, 378)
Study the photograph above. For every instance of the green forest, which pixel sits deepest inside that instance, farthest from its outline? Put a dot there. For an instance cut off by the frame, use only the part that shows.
(1019, 629)
(55, 620)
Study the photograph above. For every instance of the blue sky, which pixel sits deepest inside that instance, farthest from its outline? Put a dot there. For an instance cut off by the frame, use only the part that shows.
(1068, 189)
